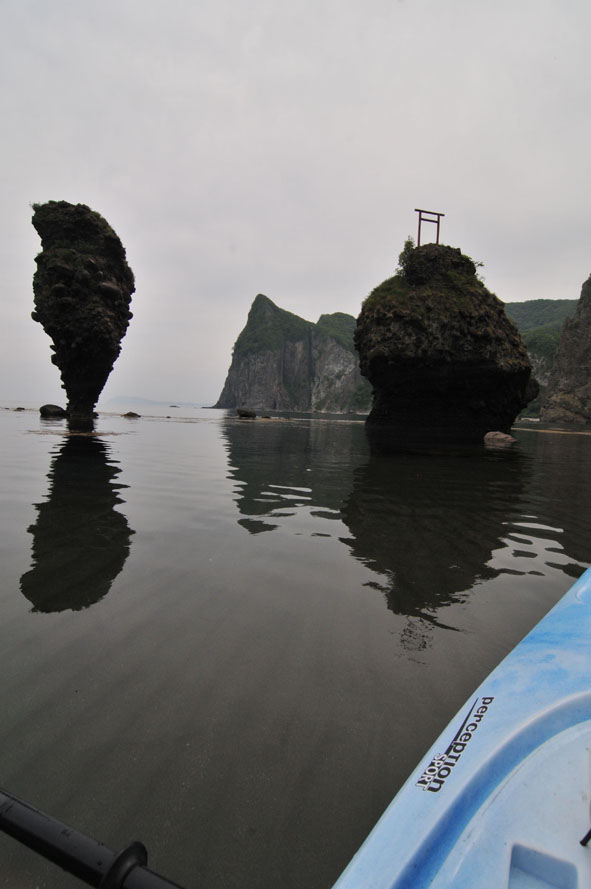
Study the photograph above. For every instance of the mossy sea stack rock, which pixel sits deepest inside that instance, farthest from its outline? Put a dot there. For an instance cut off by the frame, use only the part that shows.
(568, 396)
(444, 360)
(82, 289)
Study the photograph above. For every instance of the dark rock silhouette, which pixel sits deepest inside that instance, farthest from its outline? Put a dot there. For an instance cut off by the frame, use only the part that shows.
(444, 360)
(80, 539)
(82, 289)
(52, 412)
(568, 396)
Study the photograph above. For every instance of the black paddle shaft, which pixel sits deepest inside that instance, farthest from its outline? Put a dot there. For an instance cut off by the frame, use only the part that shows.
(76, 853)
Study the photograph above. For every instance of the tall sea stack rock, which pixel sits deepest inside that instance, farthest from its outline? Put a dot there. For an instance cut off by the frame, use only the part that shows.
(568, 396)
(82, 289)
(282, 362)
(444, 360)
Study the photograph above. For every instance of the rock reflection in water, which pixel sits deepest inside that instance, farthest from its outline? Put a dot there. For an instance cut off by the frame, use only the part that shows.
(429, 520)
(430, 523)
(557, 504)
(280, 466)
(80, 540)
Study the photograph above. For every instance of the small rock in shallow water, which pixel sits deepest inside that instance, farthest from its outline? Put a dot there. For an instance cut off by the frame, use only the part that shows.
(53, 411)
(498, 440)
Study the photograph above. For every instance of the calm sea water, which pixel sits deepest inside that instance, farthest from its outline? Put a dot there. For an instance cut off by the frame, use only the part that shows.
(233, 640)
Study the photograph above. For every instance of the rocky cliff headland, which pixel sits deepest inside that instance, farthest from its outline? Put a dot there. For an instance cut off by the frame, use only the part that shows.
(282, 362)
(82, 288)
(540, 323)
(442, 356)
(568, 396)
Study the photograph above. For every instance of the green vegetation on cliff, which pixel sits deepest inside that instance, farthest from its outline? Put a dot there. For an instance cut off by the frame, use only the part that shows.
(567, 397)
(340, 327)
(540, 323)
(543, 341)
(540, 313)
(268, 327)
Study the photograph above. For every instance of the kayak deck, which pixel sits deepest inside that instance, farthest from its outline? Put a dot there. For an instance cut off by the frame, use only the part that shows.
(502, 799)
(526, 831)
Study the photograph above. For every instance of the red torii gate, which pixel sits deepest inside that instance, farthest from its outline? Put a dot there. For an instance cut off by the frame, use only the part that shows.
(425, 216)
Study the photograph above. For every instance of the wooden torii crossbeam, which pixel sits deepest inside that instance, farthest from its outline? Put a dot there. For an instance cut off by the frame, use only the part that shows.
(427, 216)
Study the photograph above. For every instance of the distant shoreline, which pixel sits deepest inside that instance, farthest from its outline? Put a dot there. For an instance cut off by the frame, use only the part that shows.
(525, 425)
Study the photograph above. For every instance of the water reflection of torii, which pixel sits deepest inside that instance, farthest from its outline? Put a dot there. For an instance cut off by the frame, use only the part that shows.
(425, 216)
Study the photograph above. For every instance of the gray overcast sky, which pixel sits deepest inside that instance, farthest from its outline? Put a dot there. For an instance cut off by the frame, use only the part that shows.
(246, 146)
